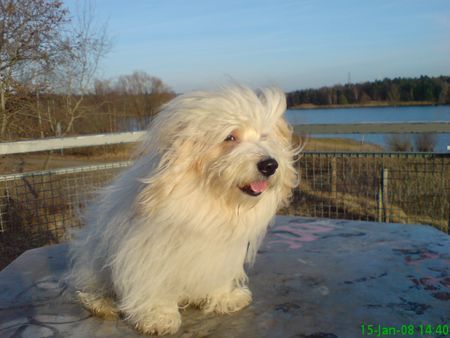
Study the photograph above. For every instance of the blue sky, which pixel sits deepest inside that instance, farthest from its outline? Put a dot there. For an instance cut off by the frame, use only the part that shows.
(294, 44)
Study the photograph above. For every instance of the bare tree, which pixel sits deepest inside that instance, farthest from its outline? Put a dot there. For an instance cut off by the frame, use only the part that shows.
(73, 78)
(145, 92)
(397, 142)
(30, 43)
(425, 142)
(141, 83)
(129, 101)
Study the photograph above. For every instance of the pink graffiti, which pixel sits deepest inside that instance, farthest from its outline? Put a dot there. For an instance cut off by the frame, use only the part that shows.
(423, 257)
(295, 234)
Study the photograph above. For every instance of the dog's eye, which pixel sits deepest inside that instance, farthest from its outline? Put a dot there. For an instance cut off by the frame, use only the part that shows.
(230, 138)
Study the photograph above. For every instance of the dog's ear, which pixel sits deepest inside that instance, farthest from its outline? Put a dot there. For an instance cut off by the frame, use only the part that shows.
(284, 132)
(274, 99)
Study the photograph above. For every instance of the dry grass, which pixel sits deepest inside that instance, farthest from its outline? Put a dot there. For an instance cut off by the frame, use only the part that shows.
(340, 144)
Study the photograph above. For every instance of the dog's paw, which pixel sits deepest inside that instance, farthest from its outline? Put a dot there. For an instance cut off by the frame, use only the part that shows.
(159, 322)
(103, 307)
(227, 302)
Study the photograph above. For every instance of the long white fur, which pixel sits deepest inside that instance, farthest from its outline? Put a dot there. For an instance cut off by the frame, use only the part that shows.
(175, 229)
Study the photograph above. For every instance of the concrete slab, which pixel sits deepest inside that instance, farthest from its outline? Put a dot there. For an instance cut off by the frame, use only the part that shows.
(312, 278)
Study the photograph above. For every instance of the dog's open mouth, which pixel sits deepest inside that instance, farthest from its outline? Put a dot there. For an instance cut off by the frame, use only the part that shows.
(255, 188)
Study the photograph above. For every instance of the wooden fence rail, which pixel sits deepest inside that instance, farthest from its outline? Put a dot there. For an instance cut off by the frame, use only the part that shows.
(18, 147)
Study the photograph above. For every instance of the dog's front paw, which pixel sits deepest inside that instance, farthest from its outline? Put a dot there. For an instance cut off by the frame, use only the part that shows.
(100, 306)
(227, 302)
(158, 322)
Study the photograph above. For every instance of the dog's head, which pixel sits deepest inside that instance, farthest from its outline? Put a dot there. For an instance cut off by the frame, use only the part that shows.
(233, 143)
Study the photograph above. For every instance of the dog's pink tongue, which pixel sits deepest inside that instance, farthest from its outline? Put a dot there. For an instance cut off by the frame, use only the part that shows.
(258, 186)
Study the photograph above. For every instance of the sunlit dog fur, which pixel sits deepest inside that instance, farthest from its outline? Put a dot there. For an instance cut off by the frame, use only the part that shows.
(176, 229)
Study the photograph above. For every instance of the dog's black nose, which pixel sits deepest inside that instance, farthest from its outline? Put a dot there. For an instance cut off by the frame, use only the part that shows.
(267, 167)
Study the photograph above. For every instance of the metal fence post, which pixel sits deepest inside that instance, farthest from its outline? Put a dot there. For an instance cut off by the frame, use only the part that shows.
(383, 215)
(333, 176)
(385, 195)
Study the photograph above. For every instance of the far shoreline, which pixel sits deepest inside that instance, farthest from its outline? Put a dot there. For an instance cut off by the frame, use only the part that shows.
(373, 104)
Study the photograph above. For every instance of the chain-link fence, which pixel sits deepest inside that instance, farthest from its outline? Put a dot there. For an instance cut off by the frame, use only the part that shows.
(40, 208)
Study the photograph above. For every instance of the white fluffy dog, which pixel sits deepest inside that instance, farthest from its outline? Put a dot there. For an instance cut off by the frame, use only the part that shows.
(177, 227)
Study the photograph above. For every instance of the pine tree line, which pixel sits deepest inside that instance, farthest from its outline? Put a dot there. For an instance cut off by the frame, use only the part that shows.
(412, 90)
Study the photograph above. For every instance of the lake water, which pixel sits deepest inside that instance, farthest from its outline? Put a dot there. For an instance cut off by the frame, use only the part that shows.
(382, 114)
(351, 115)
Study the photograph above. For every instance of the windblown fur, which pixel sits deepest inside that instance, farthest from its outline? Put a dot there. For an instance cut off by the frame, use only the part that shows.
(177, 227)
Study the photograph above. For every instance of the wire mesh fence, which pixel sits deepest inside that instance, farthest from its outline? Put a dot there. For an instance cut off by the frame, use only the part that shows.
(40, 208)
(384, 187)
